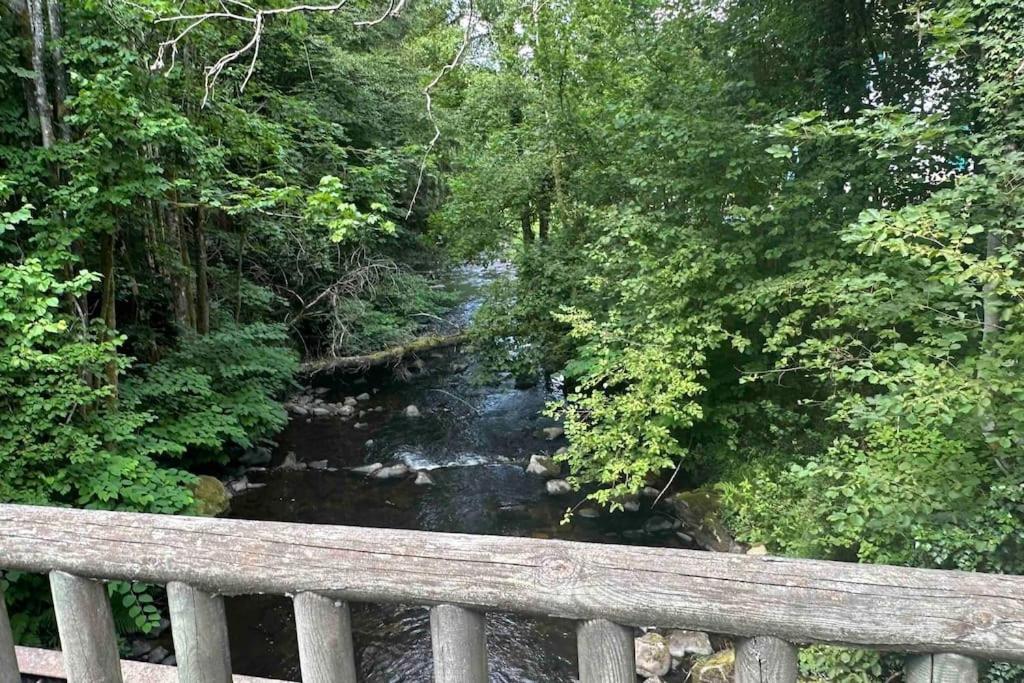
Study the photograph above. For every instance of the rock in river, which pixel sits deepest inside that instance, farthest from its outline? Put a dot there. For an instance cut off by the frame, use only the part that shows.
(682, 643)
(652, 655)
(544, 465)
(391, 472)
(558, 487)
(552, 433)
(367, 469)
(412, 411)
(363, 397)
(423, 478)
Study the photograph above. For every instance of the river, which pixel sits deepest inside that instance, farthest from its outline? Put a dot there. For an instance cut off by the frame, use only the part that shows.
(475, 441)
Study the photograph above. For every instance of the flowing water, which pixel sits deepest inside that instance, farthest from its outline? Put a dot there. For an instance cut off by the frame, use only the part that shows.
(475, 441)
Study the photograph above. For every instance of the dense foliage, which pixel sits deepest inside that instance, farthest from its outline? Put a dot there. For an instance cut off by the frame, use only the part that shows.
(166, 257)
(773, 243)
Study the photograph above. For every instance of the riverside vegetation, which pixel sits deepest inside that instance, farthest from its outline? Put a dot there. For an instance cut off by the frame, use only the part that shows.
(772, 245)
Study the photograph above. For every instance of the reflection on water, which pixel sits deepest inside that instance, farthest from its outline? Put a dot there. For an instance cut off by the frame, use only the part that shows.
(475, 441)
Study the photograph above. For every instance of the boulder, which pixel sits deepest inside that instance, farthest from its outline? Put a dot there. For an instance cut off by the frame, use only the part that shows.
(700, 512)
(158, 654)
(320, 411)
(682, 643)
(369, 443)
(423, 478)
(544, 465)
(350, 400)
(363, 397)
(650, 492)
(718, 668)
(211, 498)
(658, 524)
(299, 410)
(589, 512)
(321, 391)
(391, 472)
(318, 465)
(139, 648)
(654, 679)
(652, 655)
(759, 549)
(552, 433)
(412, 411)
(367, 470)
(558, 487)
(360, 425)
(346, 410)
(237, 486)
(291, 463)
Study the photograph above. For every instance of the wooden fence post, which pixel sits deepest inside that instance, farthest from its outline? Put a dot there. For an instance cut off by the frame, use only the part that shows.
(200, 633)
(941, 668)
(324, 629)
(765, 659)
(85, 624)
(606, 652)
(459, 640)
(8, 660)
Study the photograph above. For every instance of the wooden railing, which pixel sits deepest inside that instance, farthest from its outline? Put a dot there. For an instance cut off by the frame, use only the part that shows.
(947, 620)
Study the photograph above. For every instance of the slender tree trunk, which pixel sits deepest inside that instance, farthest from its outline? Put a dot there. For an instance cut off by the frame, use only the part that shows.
(60, 76)
(238, 275)
(526, 219)
(178, 273)
(990, 323)
(43, 107)
(108, 304)
(202, 282)
(544, 210)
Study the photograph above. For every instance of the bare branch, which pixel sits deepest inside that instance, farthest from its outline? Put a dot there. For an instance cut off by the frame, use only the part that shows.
(244, 14)
(467, 37)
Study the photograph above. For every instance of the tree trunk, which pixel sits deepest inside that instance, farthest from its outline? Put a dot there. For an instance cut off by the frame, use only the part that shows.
(392, 355)
(238, 275)
(178, 273)
(527, 225)
(60, 76)
(202, 282)
(108, 305)
(43, 107)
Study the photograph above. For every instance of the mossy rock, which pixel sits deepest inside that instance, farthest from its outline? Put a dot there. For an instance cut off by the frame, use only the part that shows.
(701, 513)
(718, 668)
(211, 497)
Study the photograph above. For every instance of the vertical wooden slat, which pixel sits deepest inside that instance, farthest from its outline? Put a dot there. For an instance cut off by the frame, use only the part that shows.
(324, 628)
(459, 640)
(200, 633)
(765, 659)
(606, 652)
(8, 660)
(86, 628)
(941, 668)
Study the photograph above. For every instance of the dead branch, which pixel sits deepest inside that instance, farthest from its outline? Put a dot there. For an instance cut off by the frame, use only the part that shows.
(244, 13)
(392, 355)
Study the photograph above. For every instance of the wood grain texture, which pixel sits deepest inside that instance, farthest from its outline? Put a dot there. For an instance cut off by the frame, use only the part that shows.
(86, 628)
(8, 658)
(324, 628)
(941, 668)
(872, 606)
(200, 631)
(764, 659)
(458, 637)
(50, 664)
(605, 652)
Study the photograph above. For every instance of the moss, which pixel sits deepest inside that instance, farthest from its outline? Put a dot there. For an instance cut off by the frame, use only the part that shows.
(211, 498)
(717, 668)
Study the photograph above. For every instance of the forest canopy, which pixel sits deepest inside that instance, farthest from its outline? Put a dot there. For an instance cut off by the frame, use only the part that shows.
(773, 245)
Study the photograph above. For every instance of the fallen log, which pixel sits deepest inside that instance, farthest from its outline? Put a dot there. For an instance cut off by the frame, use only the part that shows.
(392, 355)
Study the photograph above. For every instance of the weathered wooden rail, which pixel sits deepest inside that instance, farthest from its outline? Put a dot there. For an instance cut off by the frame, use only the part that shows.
(945, 620)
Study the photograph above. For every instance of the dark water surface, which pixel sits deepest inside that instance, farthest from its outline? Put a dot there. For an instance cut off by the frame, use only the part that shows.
(475, 441)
